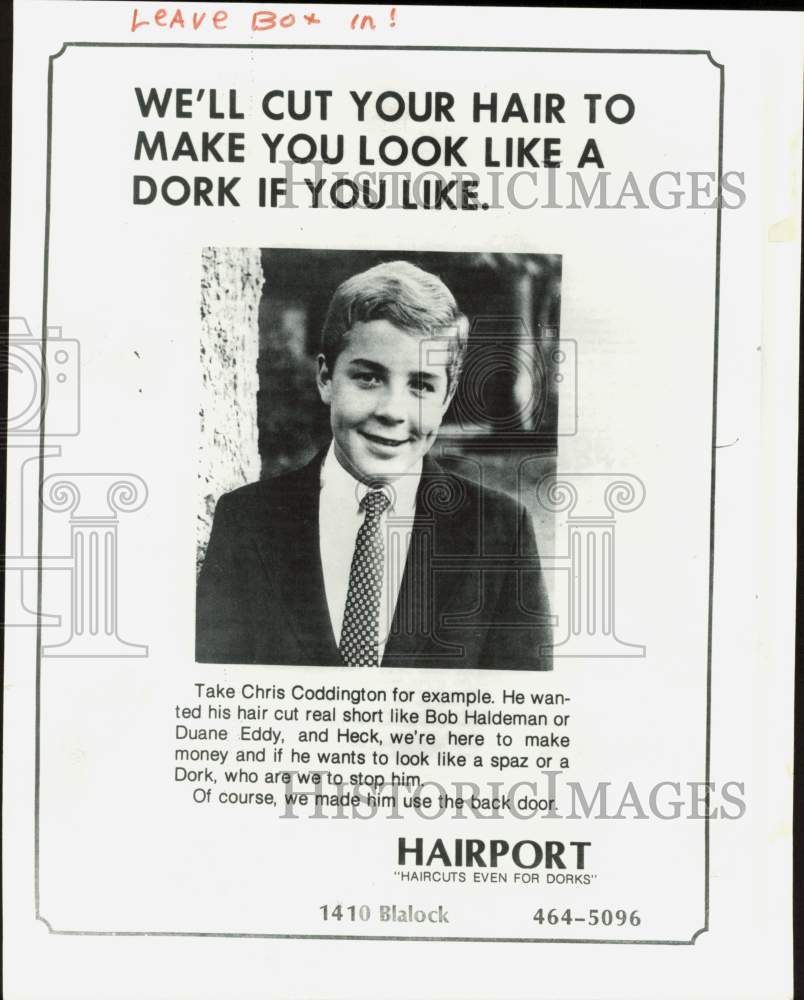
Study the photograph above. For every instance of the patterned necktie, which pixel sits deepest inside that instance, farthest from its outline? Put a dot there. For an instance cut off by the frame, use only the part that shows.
(360, 631)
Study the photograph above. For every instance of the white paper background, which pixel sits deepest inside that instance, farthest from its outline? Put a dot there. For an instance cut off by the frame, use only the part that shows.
(120, 849)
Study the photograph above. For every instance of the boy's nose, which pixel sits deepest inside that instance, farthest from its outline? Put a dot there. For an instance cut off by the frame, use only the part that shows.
(391, 407)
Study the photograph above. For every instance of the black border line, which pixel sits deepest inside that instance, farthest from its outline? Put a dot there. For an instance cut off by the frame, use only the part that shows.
(40, 527)
(712, 505)
(380, 48)
(6, 73)
(37, 755)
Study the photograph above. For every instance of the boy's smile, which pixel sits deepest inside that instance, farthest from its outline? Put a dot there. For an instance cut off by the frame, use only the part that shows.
(387, 395)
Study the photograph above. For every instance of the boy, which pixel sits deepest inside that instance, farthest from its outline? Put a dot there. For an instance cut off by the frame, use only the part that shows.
(372, 554)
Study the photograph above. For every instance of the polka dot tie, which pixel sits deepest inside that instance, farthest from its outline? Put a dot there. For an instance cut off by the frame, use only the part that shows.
(360, 632)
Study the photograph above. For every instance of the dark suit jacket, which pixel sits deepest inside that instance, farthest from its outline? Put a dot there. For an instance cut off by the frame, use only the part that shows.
(472, 593)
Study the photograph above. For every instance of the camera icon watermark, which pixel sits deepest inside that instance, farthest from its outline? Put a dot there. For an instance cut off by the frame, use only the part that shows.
(43, 383)
(510, 383)
(45, 403)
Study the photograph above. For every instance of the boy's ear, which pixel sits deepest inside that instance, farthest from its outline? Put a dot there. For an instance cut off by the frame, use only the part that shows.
(324, 380)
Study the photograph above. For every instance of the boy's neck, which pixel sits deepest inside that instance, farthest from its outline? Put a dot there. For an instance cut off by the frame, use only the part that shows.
(404, 486)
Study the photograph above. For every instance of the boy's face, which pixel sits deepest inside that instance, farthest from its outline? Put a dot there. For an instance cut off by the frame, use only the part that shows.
(387, 396)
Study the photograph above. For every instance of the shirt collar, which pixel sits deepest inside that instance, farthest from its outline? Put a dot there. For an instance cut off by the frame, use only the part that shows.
(347, 491)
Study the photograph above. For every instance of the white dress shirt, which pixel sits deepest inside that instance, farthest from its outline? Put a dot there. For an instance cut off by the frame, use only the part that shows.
(339, 520)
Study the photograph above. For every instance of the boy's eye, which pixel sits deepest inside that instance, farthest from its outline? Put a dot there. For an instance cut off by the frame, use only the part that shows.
(367, 378)
(422, 385)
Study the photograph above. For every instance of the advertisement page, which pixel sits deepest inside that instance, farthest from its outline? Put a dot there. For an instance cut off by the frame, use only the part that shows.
(400, 447)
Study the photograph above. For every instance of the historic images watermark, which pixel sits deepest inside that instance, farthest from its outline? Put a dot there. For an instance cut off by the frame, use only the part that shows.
(326, 795)
(44, 390)
(310, 183)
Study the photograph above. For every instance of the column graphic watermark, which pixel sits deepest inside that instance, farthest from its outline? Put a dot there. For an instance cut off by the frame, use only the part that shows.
(44, 408)
(591, 502)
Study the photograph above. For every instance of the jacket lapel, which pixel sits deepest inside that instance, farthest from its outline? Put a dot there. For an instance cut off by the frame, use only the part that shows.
(439, 530)
(291, 554)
